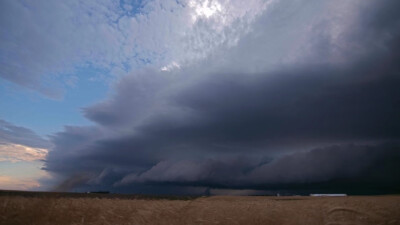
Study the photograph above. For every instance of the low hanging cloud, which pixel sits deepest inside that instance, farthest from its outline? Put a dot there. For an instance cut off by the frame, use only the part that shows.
(21, 144)
(314, 101)
(25, 151)
(15, 153)
(356, 164)
(376, 164)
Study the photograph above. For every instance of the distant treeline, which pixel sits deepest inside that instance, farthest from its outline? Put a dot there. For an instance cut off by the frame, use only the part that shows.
(95, 194)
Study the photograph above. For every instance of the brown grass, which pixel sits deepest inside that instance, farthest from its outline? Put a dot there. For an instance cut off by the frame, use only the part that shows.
(207, 210)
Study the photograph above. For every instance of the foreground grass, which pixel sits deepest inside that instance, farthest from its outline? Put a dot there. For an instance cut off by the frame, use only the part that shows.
(206, 210)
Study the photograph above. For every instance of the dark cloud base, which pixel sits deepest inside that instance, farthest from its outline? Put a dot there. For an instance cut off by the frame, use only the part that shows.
(351, 169)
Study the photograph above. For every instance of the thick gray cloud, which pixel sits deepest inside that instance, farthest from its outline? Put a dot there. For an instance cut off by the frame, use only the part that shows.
(248, 116)
(373, 164)
(357, 165)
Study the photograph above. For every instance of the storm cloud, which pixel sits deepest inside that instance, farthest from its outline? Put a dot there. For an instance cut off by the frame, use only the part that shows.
(300, 100)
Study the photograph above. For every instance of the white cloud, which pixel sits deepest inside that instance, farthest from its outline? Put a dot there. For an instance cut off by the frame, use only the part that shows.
(42, 41)
(171, 66)
(15, 152)
(204, 8)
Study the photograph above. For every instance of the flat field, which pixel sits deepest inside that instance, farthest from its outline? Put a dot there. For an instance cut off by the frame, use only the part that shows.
(95, 209)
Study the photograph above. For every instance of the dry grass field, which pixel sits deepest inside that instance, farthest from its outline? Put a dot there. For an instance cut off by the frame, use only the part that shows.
(204, 210)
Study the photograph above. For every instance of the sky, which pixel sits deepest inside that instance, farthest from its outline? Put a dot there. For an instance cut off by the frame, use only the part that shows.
(191, 97)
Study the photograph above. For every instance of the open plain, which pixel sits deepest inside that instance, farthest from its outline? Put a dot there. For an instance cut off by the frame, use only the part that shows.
(230, 210)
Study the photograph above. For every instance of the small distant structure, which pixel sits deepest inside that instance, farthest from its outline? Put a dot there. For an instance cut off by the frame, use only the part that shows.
(207, 192)
(328, 195)
(98, 192)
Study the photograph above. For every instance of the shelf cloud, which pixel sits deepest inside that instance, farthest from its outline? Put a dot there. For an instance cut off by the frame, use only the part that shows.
(307, 94)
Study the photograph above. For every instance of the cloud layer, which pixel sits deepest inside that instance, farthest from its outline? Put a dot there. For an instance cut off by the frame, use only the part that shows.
(307, 96)
(21, 144)
(48, 41)
(15, 153)
(10, 133)
(22, 153)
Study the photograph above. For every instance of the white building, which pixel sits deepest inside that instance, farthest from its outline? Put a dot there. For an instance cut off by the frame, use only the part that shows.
(328, 195)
